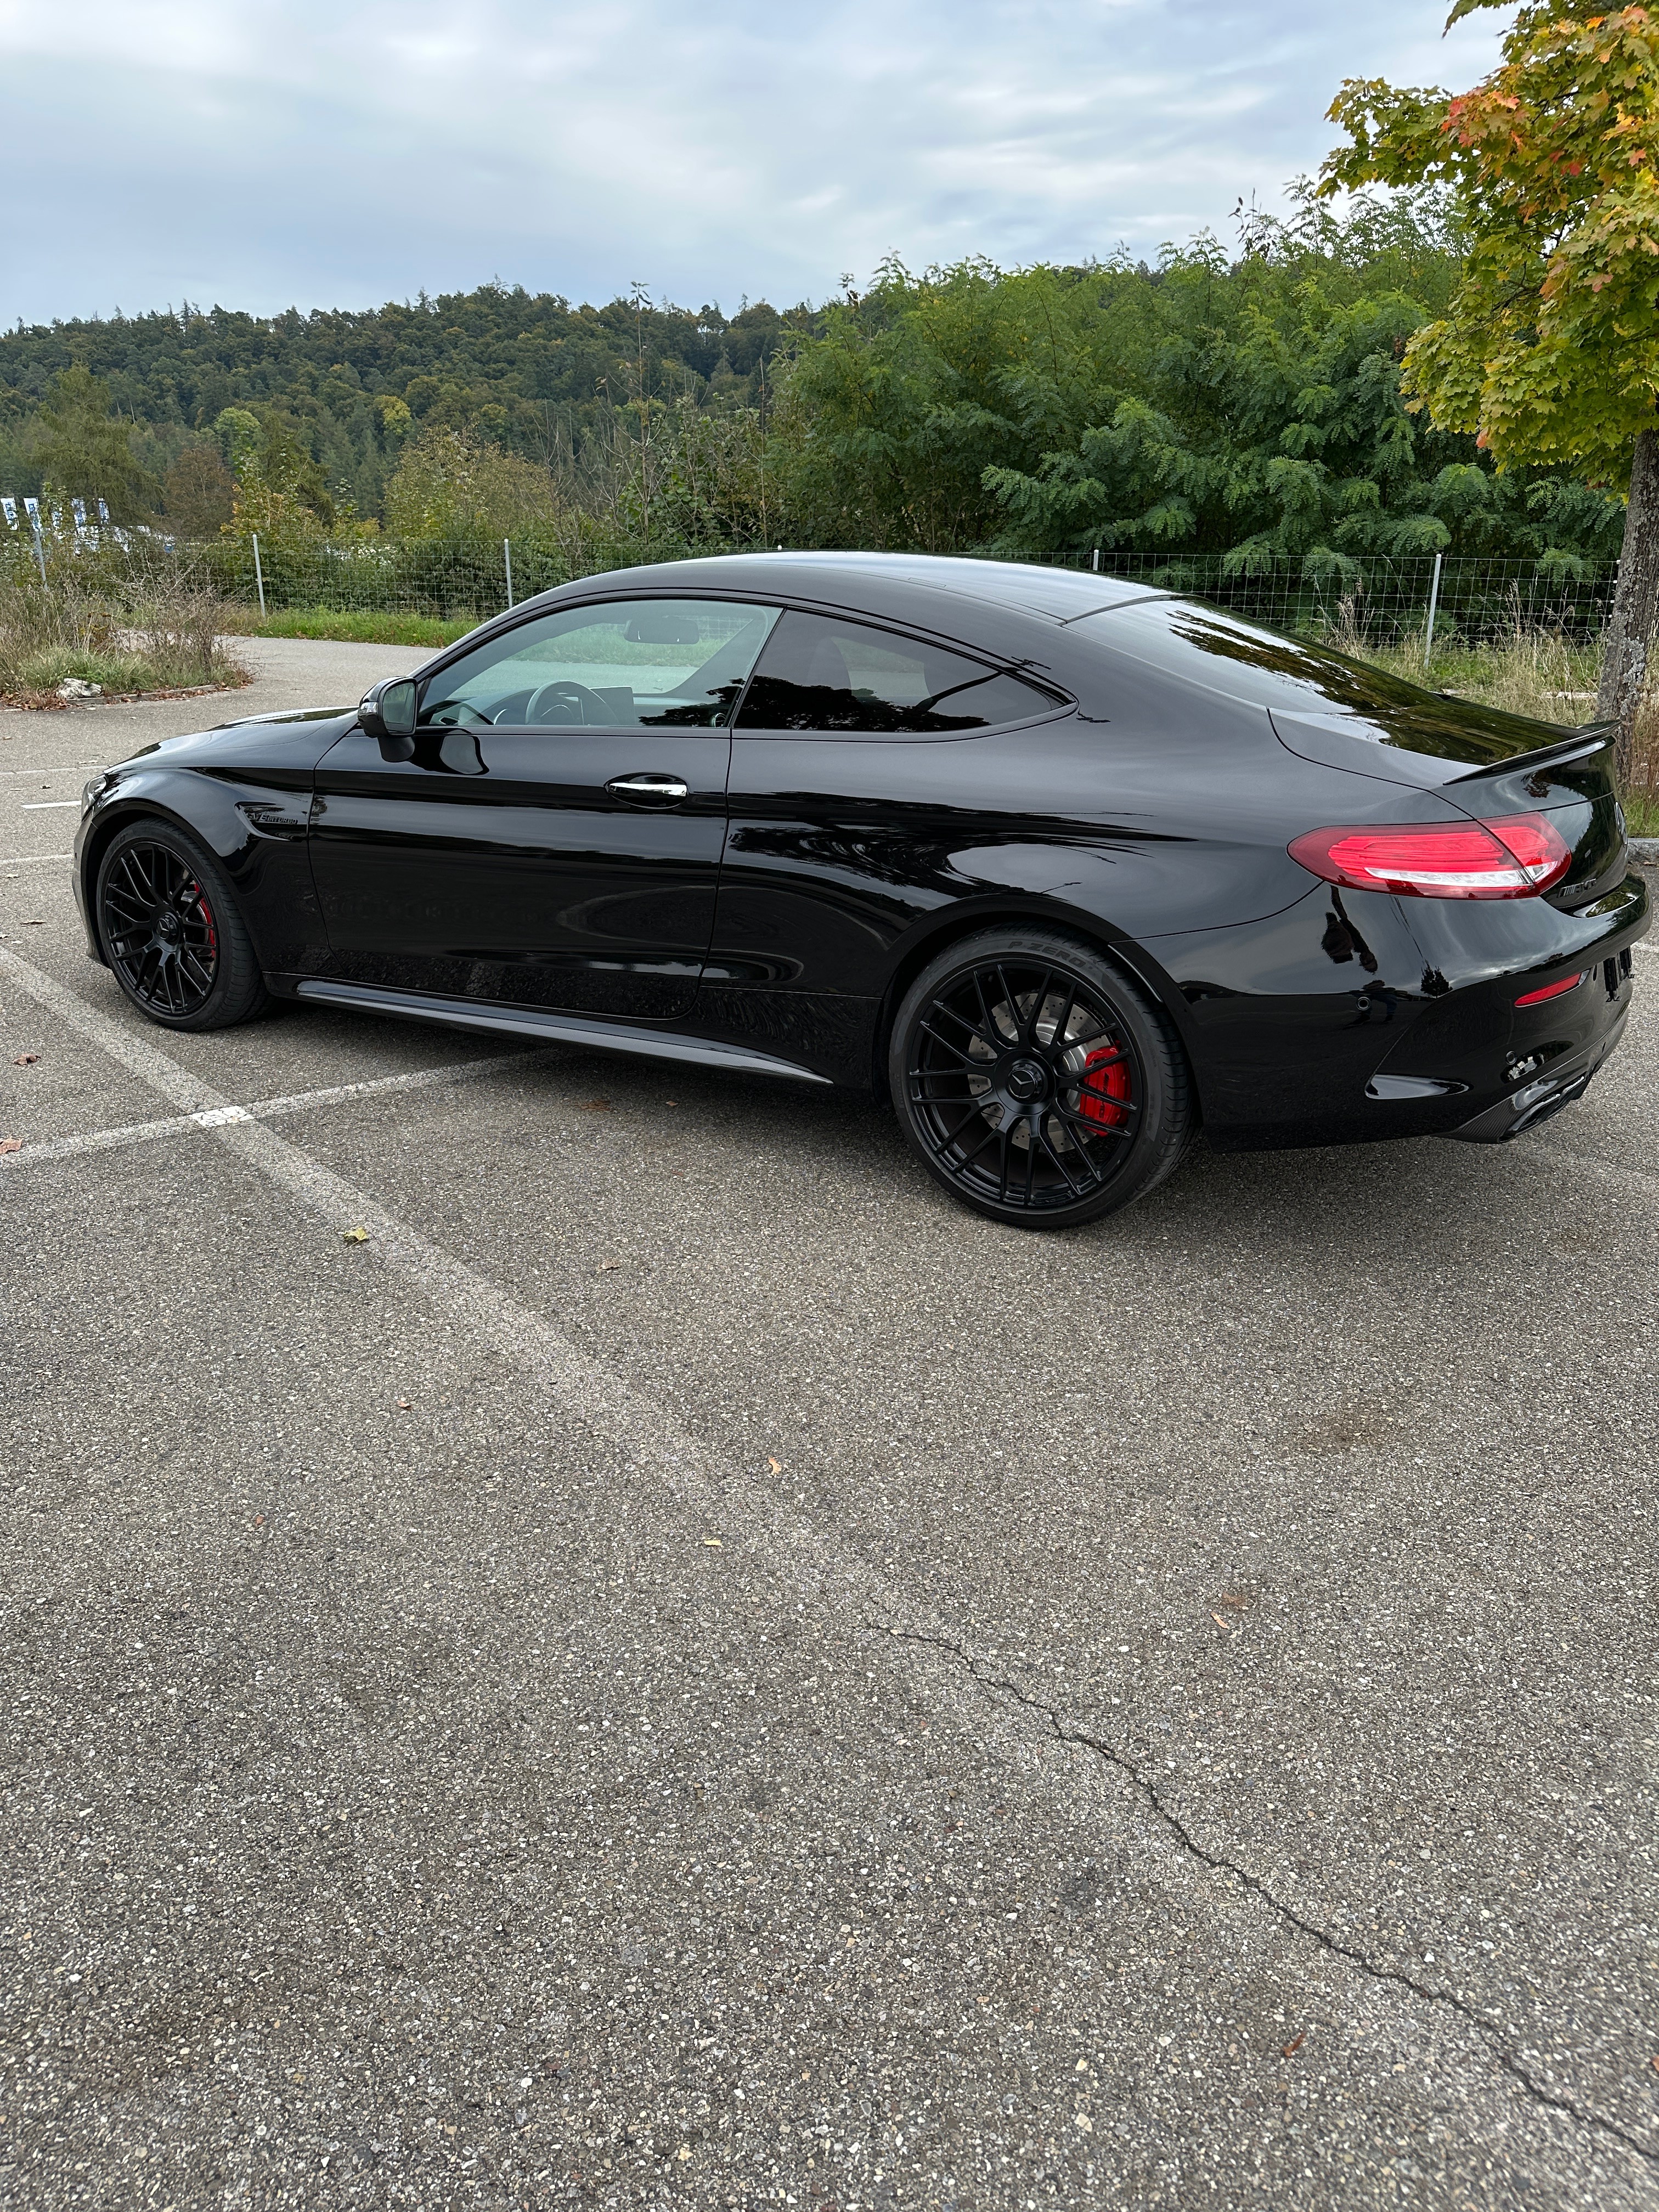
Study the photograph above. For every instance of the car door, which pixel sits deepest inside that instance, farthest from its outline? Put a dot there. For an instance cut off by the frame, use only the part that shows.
(555, 840)
(860, 795)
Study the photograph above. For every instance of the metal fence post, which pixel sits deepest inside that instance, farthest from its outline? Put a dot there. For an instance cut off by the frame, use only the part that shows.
(1094, 561)
(259, 576)
(1434, 601)
(506, 557)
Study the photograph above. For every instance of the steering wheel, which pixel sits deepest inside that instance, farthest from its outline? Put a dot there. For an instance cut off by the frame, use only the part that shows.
(573, 697)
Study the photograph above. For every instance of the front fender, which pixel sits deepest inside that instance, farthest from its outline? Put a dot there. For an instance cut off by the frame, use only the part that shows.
(255, 824)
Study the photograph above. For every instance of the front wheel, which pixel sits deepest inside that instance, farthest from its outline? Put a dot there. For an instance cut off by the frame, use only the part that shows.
(1037, 1083)
(172, 933)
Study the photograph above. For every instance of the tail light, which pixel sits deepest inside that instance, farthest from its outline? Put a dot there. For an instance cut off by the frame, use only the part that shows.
(1516, 856)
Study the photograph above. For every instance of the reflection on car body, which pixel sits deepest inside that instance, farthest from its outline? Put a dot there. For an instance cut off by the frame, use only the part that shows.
(1065, 868)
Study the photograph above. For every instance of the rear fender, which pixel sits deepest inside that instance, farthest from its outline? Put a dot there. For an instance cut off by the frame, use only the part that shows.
(966, 918)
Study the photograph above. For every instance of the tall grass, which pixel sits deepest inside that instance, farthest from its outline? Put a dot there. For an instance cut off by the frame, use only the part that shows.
(1539, 673)
(127, 625)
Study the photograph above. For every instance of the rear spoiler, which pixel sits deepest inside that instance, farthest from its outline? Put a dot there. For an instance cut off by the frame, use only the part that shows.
(1582, 744)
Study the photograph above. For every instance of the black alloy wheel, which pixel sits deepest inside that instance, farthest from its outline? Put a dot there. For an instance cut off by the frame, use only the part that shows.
(172, 932)
(1038, 1084)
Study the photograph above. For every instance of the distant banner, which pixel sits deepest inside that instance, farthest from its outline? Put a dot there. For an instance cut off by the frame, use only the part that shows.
(103, 512)
(11, 508)
(31, 508)
(80, 508)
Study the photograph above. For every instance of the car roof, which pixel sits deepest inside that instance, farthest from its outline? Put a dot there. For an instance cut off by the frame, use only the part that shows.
(878, 583)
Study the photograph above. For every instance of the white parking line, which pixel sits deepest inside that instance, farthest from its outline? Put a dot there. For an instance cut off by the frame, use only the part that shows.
(263, 1109)
(46, 806)
(33, 859)
(590, 1396)
(91, 767)
(592, 1401)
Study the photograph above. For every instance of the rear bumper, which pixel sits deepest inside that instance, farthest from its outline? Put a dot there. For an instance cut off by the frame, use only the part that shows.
(1359, 1017)
(1545, 1095)
(1520, 1064)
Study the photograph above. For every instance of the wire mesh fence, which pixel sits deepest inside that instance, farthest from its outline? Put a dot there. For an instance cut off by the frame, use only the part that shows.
(1478, 599)
(445, 578)
(1473, 598)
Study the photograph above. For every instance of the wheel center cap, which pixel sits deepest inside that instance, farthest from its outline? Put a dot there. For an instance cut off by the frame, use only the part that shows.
(168, 925)
(1027, 1079)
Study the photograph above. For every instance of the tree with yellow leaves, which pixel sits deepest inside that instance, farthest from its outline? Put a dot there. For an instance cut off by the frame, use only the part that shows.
(1549, 348)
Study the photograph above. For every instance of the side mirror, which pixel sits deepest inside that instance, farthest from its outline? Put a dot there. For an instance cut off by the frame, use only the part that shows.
(387, 713)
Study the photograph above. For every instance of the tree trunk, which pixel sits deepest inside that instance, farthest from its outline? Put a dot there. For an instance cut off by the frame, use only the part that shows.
(1629, 637)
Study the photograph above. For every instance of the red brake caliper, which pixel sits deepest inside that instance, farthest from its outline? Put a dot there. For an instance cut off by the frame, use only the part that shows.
(1105, 1077)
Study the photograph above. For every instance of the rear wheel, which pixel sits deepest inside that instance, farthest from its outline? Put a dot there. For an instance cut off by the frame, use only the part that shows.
(172, 932)
(1037, 1083)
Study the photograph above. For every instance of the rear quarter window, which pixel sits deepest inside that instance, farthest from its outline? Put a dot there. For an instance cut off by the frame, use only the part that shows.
(839, 678)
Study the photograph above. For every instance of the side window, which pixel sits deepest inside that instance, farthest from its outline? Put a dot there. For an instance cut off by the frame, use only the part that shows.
(652, 664)
(820, 672)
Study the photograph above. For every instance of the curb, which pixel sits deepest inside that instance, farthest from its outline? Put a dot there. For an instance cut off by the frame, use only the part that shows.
(1644, 851)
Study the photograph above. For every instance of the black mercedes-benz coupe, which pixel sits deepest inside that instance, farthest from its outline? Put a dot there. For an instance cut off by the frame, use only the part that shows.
(1063, 867)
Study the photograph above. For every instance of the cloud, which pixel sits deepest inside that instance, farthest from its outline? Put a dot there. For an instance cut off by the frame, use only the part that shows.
(321, 155)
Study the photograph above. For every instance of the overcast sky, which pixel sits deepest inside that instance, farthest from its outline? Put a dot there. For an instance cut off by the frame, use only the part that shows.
(339, 153)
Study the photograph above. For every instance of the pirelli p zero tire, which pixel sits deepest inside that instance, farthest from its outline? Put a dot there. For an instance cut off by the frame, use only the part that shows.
(172, 932)
(1037, 1083)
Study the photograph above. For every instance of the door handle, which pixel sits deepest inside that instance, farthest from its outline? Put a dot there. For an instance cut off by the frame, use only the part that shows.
(649, 790)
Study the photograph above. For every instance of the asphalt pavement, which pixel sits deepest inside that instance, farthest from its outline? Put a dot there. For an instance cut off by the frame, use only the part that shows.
(680, 1668)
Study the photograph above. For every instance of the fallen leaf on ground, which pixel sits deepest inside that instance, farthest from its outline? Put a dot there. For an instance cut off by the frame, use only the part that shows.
(1086, 2124)
(1220, 1622)
(354, 1236)
(403, 1404)
(34, 925)
(11, 1143)
(25, 1059)
(606, 1265)
(1225, 1600)
(1291, 2049)
(776, 1466)
(713, 1542)
(596, 1105)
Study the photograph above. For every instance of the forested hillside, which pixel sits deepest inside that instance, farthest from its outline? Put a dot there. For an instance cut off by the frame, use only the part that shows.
(1241, 402)
(528, 371)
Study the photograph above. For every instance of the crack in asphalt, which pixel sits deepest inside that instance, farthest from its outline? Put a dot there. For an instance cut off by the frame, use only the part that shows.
(1147, 1786)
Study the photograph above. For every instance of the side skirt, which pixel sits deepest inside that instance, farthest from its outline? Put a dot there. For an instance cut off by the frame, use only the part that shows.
(553, 1029)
